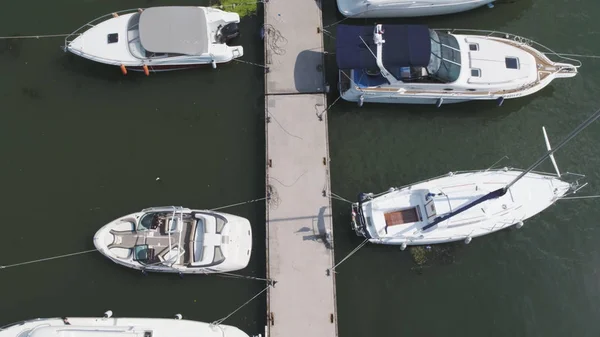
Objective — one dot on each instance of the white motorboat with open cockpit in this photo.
(415, 64)
(108, 326)
(405, 8)
(159, 38)
(462, 205)
(177, 240)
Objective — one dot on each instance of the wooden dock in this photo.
(299, 223)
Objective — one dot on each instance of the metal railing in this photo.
(543, 50)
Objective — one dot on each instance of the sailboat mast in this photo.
(573, 133)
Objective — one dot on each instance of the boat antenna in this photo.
(573, 133)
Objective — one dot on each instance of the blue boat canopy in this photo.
(405, 46)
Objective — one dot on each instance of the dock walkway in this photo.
(299, 222)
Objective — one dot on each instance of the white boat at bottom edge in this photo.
(159, 38)
(115, 327)
(405, 8)
(180, 240)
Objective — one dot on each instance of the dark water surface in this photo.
(541, 280)
(81, 145)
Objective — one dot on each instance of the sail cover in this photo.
(405, 46)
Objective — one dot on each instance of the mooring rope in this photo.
(217, 322)
(337, 197)
(582, 197)
(33, 36)
(575, 55)
(240, 203)
(232, 275)
(251, 63)
(332, 269)
(320, 115)
(47, 259)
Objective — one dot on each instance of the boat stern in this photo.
(224, 28)
(358, 220)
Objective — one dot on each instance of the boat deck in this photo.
(299, 222)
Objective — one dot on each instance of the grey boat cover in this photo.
(176, 30)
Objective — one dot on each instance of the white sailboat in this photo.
(412, 64)
(177, 240)
(405, 8)
(462, 205)
(108, 326)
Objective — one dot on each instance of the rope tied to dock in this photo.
(332, 269)
(252, 63)
(320, 114)
(232, 275)
(47, 259)
(337, 197)
(241, 203)
(218, 322)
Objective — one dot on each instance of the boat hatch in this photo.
(402, 217)
(430, 209)
(147, 333)
(113, 38)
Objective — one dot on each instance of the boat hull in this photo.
(516, 206)
(350, 8)
(91, 326)
(238, 251)
(126, 50)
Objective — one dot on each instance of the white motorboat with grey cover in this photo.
(108, 326)
(177, 240)
(159, 38)
(405, 8)
(412, 64)
(462, 205)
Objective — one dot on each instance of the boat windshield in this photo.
(444, 63)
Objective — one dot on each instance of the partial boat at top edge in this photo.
(405, 8)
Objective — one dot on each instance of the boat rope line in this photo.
(32, 36)
(320, 114)
(47, 259)
(581, 197)
(218, 322)
(332, 269)
(232, 275)
(575, 55)
(497, 162)
(252, 63)
(337, 197)
(241, 203)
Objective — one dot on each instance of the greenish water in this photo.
(541, 280)
(81, 145)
